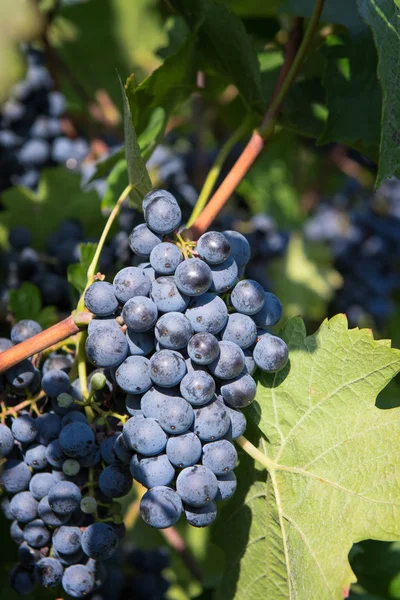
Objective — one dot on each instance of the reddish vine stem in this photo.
(43, 340)
(177, 543)
(294, 58)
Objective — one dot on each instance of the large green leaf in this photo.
(59, 197)
(384, 19)
(354, 97)
(153, 101)
(333, 461)
(225, 45)
(137, 173)
(109, 36)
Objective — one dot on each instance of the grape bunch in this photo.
(31, 129)
(182, 336)
(60, 474)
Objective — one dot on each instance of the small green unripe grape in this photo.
(64, 400)
(88, 505)
(100, 421)
(115, 508)
(71, 467)
(98, 381)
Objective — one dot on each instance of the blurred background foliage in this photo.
(162, 47)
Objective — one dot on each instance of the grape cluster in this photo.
(182, 336)
(60, 475)
(31, 129)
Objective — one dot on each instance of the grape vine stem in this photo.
(295, 55)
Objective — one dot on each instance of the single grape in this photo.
(229, 363)
(91, 459)
(22, 580)
(140, 313)
(250, 364)
(54, 455)
(241, 330)
(102, 322)
(271, 353)
(211, 422)
(36, 534)
(69, 559)
(24, 330)
(61, 362)
(240, 247)
(28, 556)
(175, 416)
(35, 457)
(73, 417)
(99, 541)
(224, 276)
(220, 457)
(48, 516)
(167, 368)
(240, 391)
(197, 485)
(106, 347)
(270, 313)
(25, 429)
(203, 348)
(78, 581)
(16, 476)
(64, 497)
(140, 343)
(226, 486)
(166, 295)
(55, 383)
(16, 533)
(162, 214)
(49, 427)
(133, 375)
(122, 450)
(142, 240)
(173, 330)
(115, 481)
(131, 282)
(201, 516)
(133, 404)
(198, 387)
(193, 277)
(160, 507)
(107, 449)
(153, 195)
(24, 507)
(6, 441)
(49, 572)
(21, 375)
(71, 467)
(213, 247)
(238, 424)
(144, 436)
(100, 299)
(184, 450)
(40, 485)
(165, 258)
(154, 398)
(207, 313)
(76, 440)
(152, 471)
(88, 505)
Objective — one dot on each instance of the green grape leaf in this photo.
(153, 101)
(105, 165)
(77, 273)
(226, 46)
(354, 97)
(59, 197)
(333, 476)
(137, 172)
(26, 303)
(125, 38)
(304, 279)
(254, 8)
(384, 20)
(116, 183)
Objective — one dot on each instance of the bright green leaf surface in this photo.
(334, 469)
(77, 273)
(384, 19)
(59, 197)
(225, 45)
